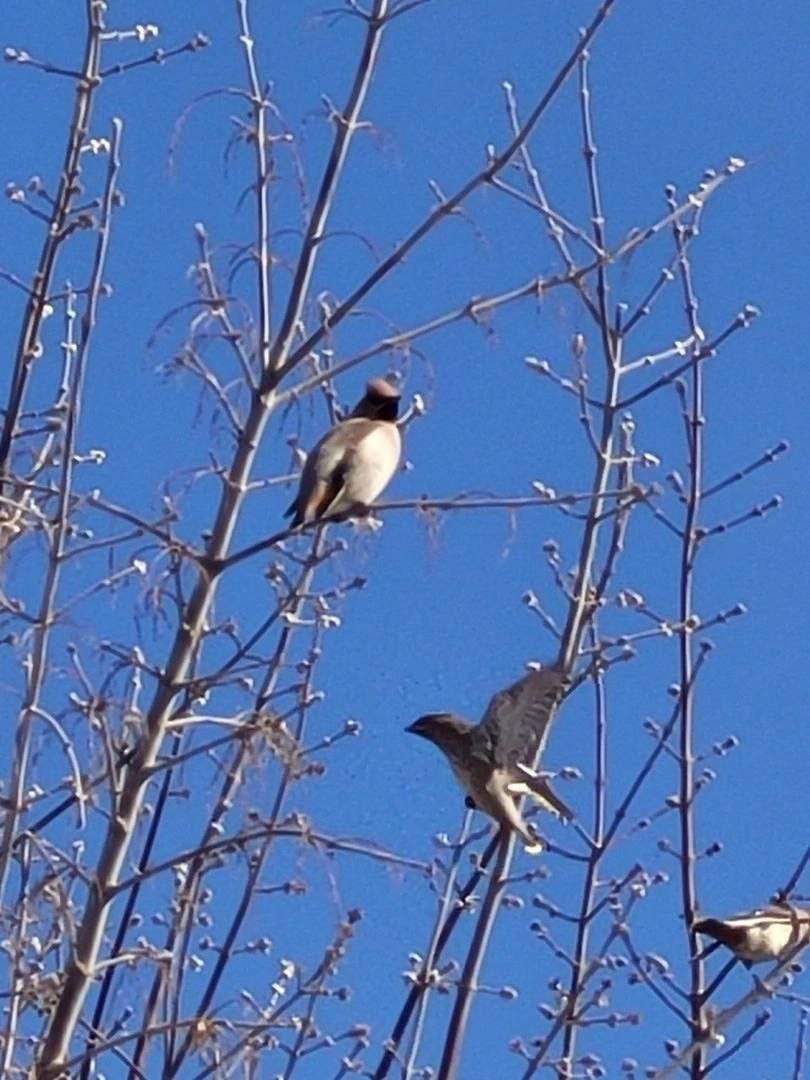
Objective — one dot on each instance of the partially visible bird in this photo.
(493, 760)
(758, 936)
(354, 462)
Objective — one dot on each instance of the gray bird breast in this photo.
(375, 461)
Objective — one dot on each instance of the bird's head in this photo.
(380, 401)
(447, 731)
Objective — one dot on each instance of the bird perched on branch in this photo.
(758, 936)
(354, 462)
(493, 760)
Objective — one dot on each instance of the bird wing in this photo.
(517, 718)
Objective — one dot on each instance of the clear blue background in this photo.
(677, 88)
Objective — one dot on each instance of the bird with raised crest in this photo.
(354, 462)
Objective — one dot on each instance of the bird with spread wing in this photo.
(493, 760)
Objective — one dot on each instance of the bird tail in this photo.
(719, 930)
(295, 512)
(537, 788)
(711, 927)
(722, 934)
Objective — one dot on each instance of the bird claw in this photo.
(363, 520)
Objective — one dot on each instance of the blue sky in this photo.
(677, 88)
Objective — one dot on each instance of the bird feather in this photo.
(517, 719)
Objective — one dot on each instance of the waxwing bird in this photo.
(758, 936)
(353, 463)
(493, 760)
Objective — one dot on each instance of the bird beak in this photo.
(411, 728)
